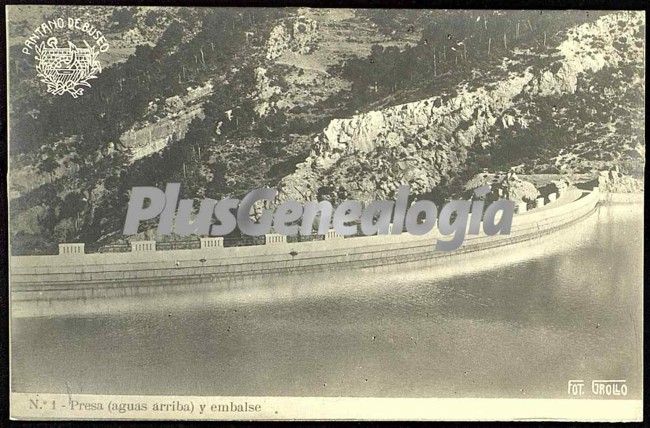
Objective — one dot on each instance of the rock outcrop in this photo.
(295, 36)
(177, 114)
(503, 185)
(615, 182)
(264, 92)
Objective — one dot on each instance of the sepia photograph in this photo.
(301, 213)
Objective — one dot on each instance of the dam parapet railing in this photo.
(214, 261)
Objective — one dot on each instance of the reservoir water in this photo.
(511, 324)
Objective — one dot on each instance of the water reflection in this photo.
(513, 326)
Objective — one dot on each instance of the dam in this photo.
(39, 281)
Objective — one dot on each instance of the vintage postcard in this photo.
(325, 214)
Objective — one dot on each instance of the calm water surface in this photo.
(520, 329)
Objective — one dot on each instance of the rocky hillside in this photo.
(428, 143)
(322, 104)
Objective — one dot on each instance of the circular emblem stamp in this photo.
(66, 54)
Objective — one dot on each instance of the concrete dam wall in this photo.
(75, 275)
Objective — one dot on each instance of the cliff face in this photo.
(426, 143)
(171, 119)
